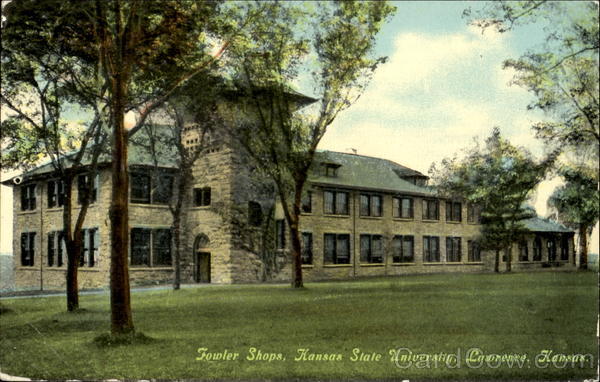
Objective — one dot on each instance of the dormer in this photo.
(330, 169)
(412, 176)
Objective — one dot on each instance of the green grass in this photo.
(522, 313)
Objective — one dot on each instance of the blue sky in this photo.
(442, 86)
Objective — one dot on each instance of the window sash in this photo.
(430, 209)
(307, 202)
(140, 188)
(365, 208)
(161, 247)
(28, 249)
(523, 251)
(164, 189)
(341, 203)
(431, 249)
(280, 233)
(453, 250)
(140, 246)
(307, 256)
(28, 199)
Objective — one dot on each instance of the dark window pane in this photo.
(329, 248)
(408, 249)
(51, 248)
(255, 215)
(407, 209)
(396, 207)
(164, 190)
(161, 247)
(140, 188)
(341, 203)
(365, 248)
(307, 248)
(328, 202)
(343, 249)
(377, 249)
(364, 205)
(376, 205)
(140, 246)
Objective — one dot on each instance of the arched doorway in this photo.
(201, 257)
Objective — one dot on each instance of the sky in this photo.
(442, 86)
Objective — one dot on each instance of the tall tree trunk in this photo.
(120, 299)
(583, 246)
(73, 255)
(497, 261)
(296, 255)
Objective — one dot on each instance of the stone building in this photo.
(362, 216)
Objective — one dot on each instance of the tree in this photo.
(498, 178)
(577, 205)
(41, 82)
(332, 45)
(562, 73)
(145, 50)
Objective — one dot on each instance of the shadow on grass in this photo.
(111, 340)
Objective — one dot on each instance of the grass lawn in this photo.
(519, 314)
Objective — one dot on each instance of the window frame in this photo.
(28, 197)
(373, 209)
(335, 203)
(523, 255)
(55, 191)
(401, 258)
(28, 249)
(82, 183)
(427, 210)
(453, 249)
(398, 207)
(146, 198)
(427, 253)
(537, 249)
(335, 258)
(280, 233)
(453, 211)
(202, 196)
(306, 203)
(473, 251)
(151, 247)
(307, 249)
(369, 255)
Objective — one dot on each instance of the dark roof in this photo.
(364, 172)
(538, 224)
(136, 154)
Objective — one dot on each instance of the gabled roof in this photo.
(538, 224)
(136, 154)
(368, 173)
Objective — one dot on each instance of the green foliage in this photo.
(577, 202)
(498, 177)
(562, 73)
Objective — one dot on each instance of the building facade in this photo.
(362, 216)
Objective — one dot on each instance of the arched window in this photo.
(201, 242)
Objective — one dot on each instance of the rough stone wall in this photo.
(43, 220)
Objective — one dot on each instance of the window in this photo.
(202, 197)
(335, 202)
(307, 255)
(56, 248)
(150, 247)
(27, 248)
(336, 249)
(370, 205)
(474, 251)
(89, 254)
(255, 215)
(403, 249)
(473, 214)
(161, 247)
(537, 249)
(163, 192)
(371, 249)
(56, 193)
(523, 251)
(280, 233)
(564, 248)
(431, 249)
(140, 188)
(330, 169)
(306, 206)
(453, 211)
(430, 209)
(28, 197)
(86, 188)
(453, 250)
(403, 207)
